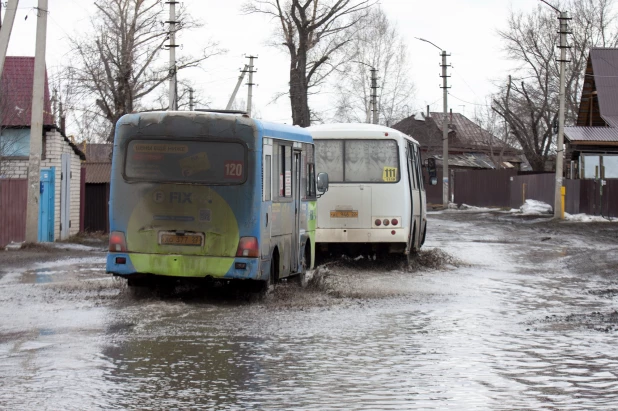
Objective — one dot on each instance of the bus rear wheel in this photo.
(305, 261)
(273, 276)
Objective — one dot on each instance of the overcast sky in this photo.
(465, 28)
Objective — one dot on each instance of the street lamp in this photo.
(563, 18)
(445, 170)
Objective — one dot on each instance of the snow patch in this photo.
(585, 218)
(535, 207)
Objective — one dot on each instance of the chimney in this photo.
(427, 110)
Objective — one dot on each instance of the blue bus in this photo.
(214, 195)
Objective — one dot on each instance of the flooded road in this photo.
(496, 314)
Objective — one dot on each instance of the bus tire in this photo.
(305, 262)
(424, 233)
(273, 276)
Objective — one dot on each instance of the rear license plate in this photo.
(344, 214)
(187, 239)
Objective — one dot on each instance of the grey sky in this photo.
(465, 28)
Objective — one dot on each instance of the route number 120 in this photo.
(233, 169)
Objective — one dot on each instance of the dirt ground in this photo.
(496, 312)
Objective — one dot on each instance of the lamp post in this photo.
(563, 18)
(445, 170)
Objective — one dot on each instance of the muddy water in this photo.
(513, 321)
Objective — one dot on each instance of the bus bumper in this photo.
(127, 264)
(361, 235)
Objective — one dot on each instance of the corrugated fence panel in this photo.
(96, 209)
(611, 197)
(538, 187)
(483, 188)
(587, 196)
(572, 198)
(13, 199)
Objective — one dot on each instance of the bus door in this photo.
(296, 187)
(414, 196)
(422, 194)
(267, 217)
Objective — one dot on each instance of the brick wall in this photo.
(54, 148)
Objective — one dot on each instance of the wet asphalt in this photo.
(496, 313)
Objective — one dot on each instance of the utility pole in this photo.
(563, 18)
(173, 96)
(238, 83)
(54, 101)
(36, 126)
(191, 99)
(445, 168)
(374, 95)
(250, 84)
(558, 212)
(5, 30)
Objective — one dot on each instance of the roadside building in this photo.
(470, 146)
(59, 214)
(592, 145)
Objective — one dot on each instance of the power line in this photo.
(468, 102)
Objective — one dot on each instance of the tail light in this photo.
(394, 221)
(386, 222)
(248, 247)
(378, 222)
(117, 242)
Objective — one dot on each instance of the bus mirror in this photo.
(431, 170)
(322, 183)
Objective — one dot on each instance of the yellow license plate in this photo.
(344, 214)
(187, 239)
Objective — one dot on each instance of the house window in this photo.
(15, 142)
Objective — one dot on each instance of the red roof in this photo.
(16, 93)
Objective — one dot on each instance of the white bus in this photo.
(376, 201)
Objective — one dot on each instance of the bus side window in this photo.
(267, 178)
(411, 167)
(283, 176)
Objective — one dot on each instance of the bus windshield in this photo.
(206, 162)
(369, 161)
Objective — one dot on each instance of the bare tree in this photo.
(316, 34)
(377, 45)
(119, 66)
(496, 134)
(529, 101)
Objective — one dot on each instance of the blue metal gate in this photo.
(46, 205)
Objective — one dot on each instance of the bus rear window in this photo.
(206, 162)
(363, 161)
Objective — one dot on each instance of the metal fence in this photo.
(482, 188)
(504, 188)
(96, 208)
(539, 187)
(13, 199)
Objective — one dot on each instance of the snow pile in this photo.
(535, 207)
(585, 218)
(466, 207)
